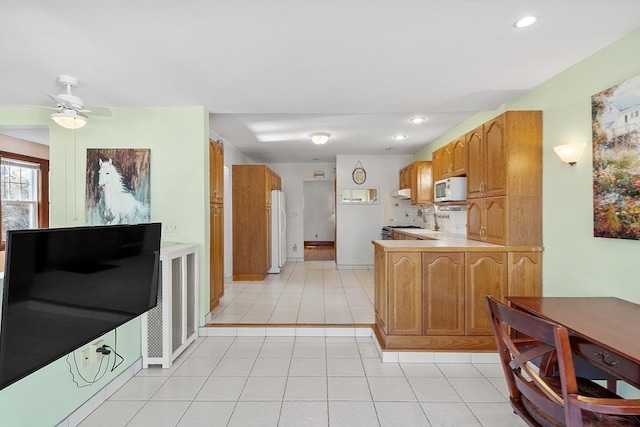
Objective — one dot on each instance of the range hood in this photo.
(404, 193)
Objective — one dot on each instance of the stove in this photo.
(386, 232)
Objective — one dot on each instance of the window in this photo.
(24, 184)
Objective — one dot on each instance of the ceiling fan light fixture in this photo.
(69, 119)
(319, 138)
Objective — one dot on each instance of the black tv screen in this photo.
(64, 287)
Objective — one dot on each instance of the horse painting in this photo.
(117, 194)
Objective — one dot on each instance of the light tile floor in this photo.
(308, 292)
(305, 381)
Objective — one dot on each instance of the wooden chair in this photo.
(537, 395)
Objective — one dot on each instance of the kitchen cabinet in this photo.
(418, 177)
(216, 223)
(405, 298)
(504, 170)
(421, 183)
(443, 293)
(431, 297)
(405, 177)
(216, 172)
(486, 220)
(450, 160)
(252, 221)
(486, 275)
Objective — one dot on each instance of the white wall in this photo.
(358, 225)
(293, 177)
(319, 214)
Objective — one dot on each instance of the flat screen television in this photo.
(64, 287)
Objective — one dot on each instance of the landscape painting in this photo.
(117, 186)
(616, 161)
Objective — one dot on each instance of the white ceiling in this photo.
(271, 72)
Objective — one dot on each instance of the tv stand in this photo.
(172, 325)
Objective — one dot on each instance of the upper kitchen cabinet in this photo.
(504, 179)
(216, 167)
(404, 176)
(450, 160)
(504, 155)
(417, 176)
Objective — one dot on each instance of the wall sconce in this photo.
(319, 138)
(570, 153)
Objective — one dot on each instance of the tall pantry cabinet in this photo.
(216, 218)
(252, 185)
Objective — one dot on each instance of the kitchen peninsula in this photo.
(430, 286)
(429, 293)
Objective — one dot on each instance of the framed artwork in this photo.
(118, 188)
(615, 114)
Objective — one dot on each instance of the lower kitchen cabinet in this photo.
(486, 275)
(430, 299)
(405, 298)
(443, 293)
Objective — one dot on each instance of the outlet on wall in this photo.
(94, 356)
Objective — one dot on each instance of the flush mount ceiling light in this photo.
(319, 138)
(69, 119)
(399, 137)
(525, 22)
(417, 119)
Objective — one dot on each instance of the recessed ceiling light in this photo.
(399, 137)
(525, 22)
(417, 119)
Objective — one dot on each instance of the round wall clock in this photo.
(359, 175)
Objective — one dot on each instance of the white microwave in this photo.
(450, 189)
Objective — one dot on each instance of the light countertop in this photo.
(437, 241)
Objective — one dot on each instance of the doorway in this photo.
(319, 221)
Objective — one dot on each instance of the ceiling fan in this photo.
(70, 110)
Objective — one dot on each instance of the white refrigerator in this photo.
(278, 231)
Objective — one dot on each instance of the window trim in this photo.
(43, 188)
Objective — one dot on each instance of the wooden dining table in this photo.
(604, 331)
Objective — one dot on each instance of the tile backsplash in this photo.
(401, 212)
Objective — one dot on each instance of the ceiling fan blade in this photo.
(61, 102)
(97, 111)
(42, 106)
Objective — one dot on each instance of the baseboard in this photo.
(315, 243)
(101, 396)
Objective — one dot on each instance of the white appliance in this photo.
(450, 189)
(404, 193)
(278, 231)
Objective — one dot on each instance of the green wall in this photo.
(575, 262)
(178, 139)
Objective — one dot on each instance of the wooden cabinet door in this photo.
(475, 219)
(495, 220)
(525, 274)
(443, 293)
(436, 164)
(421, 183)
(216, 174)
(475, 163)
(404, 279)
(405, 177)
(458, 157)
(496, 157)
(216, 256)
(486, 274)
(446, 161)
(380, 287)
